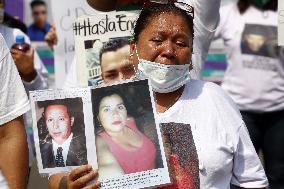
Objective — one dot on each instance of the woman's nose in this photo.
(120, 76)
(115, 112)
(169, 50)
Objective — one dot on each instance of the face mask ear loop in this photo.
(136, 70)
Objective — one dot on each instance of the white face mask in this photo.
(164, 78)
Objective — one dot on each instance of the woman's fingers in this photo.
(82, 181)
(93, 186)
(80, 171)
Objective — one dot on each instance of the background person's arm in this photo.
(206, 19)
(14, 153)
(103, 5)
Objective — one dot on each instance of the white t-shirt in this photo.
(40, 82)
(206, 19)
(255, 73)
(13, 101)
(225, 152)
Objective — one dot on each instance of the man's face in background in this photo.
(116, 66)
(39, 13)
(58, 122)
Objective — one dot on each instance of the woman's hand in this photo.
(76, 179)
(79, 178)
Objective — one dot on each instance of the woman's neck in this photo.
(118, 134)
(165, 100)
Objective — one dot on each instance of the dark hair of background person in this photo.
(74, 109)
(243, 5)
(113, 45)
(12, 22)
(148, 13)
(101, 93)
(37, 3)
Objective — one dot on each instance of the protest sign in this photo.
(113, 128)
(66, 12)
(98, 35)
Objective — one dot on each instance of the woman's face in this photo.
(166, 40)
(112, 114)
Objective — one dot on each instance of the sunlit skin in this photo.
(39, 14)
(166, 40)
(113, 118)
(255, 42)
(112, 114)
(58, 123)
(116, 65)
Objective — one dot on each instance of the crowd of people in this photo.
(229, 125)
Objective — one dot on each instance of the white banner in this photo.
(65, 13)
(281, 22)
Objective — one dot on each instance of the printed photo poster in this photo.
(260, 48)
(280, 22)
(63, 127)
(102, 43)
(129, 144)
(182, 156)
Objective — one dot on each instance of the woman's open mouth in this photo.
(116, 122)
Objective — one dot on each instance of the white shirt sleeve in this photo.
(14, 101)
(247, 170)
(224, 27)
(71, 78)
(206, 19)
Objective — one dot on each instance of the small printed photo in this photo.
(61, 132)
(61, 123)
(260, 40)
(108, 61)
(126, 134)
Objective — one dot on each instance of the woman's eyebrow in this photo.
(105, 106)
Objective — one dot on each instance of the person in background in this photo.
(41, 30)
(255, 77)
(31, 69)
(13, 143)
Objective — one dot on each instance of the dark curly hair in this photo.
(243, 5)
(148, 13)
(113, 45)
(101, 93)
